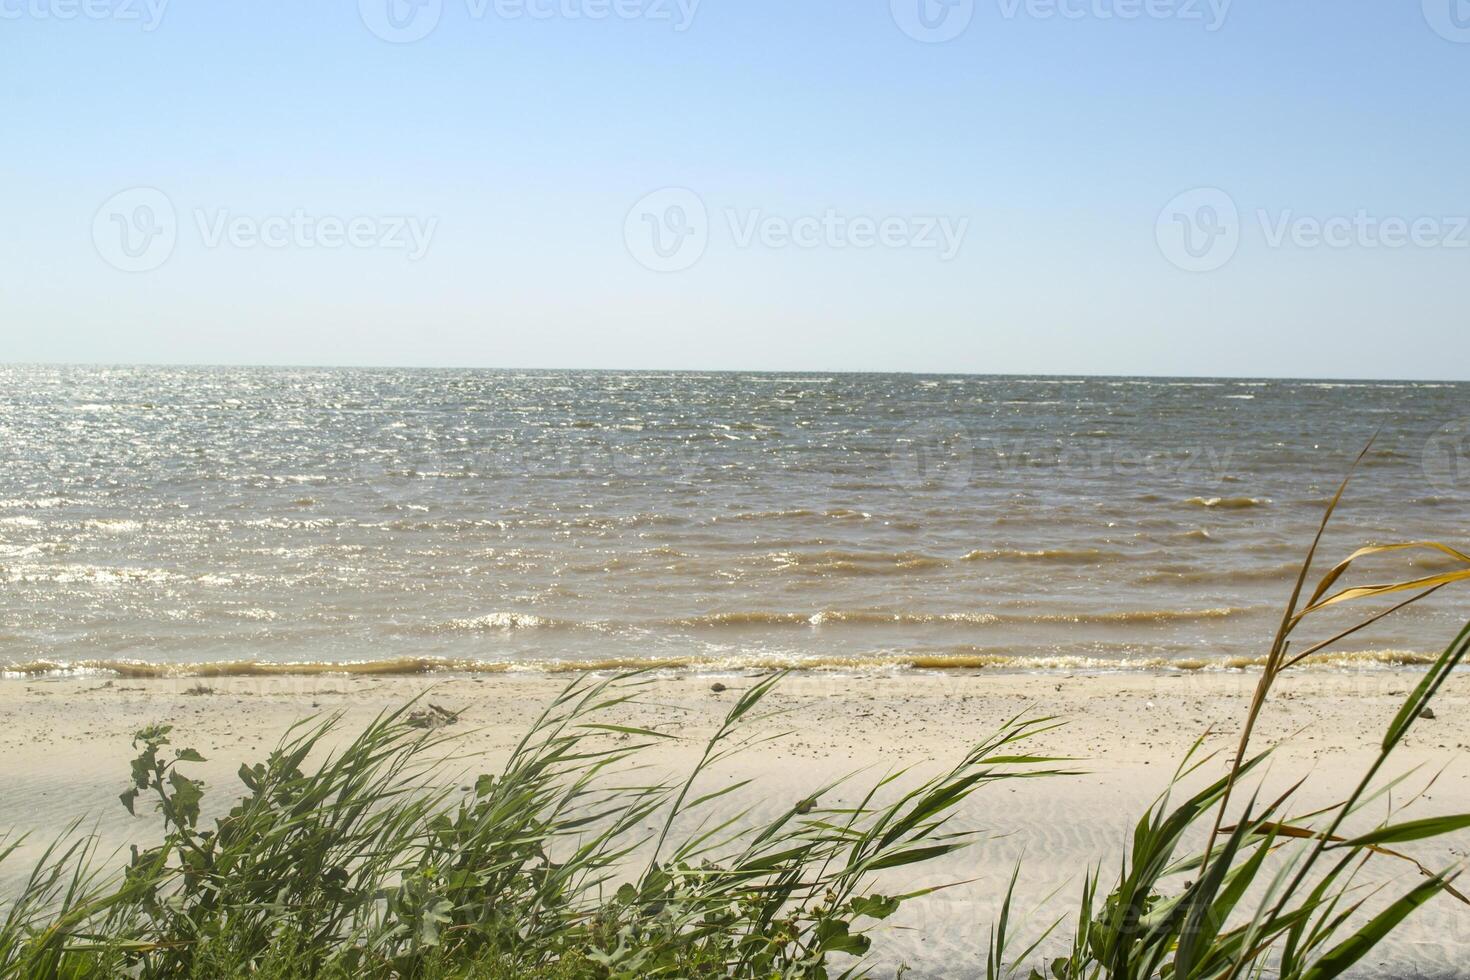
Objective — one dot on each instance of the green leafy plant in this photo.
(361, 867)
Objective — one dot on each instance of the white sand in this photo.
(64, 748)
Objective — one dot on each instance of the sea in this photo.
(210, 521)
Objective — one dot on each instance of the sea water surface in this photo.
(196, 520)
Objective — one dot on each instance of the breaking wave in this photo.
(1228, 503)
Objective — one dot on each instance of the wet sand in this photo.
(64, 750)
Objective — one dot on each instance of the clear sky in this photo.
(1185, 187)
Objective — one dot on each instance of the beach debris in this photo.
(1427, 714)
(199, 690)
(433, 717)
(718, 688)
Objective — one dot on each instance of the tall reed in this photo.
(1173, 915)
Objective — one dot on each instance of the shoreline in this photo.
(915, 664)
(65, 747)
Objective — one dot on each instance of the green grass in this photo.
(361, 867)
(572, 861)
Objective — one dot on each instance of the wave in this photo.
(1228, 503)
(112, 525)
(799, 513)
(86, 575)
(499, 621)
(756, 618)
(1085, 556)
(35, 503)
(770, 515)
(855, 562)
(983, 619)
(832, 617)
(108, 576)
(744, 619)
(938, 660)
(1146, 616)
(1191, 574)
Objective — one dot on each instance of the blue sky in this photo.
(1064, 186)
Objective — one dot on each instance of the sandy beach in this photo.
(64, 749)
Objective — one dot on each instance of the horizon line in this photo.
(207, 365)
